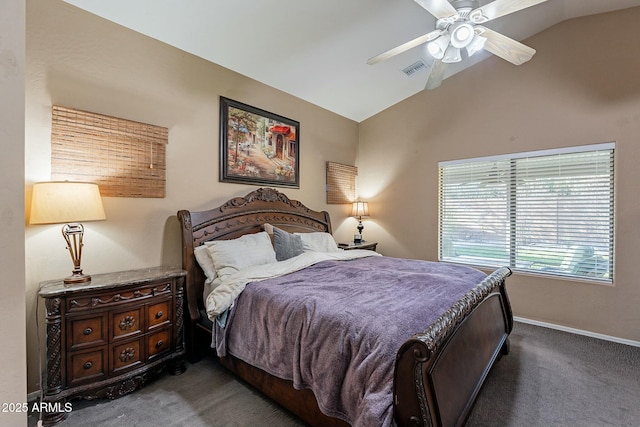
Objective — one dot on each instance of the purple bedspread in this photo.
(335, 327)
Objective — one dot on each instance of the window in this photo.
(547, 212)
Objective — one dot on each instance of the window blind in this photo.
(545, 212)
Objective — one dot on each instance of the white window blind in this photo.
(547, 212)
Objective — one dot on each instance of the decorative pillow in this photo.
(287, 245)
(318, 242)
(269, 229)
(231, 256)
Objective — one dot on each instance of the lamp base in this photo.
(77, 278)
(73, 234)
(357, 238)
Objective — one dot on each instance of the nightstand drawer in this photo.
(158, 343)
(88, 366)
(158, 315)
(127, 355)
(88, 331)
(126, 324)
(108, 299)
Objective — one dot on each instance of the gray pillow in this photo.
(286, 245)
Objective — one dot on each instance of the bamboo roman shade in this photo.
(125, 158)
(341, 183)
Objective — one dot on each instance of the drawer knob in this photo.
(127, 322)
(87, 331)
(87, 365)
(159, 343)
(159, 314)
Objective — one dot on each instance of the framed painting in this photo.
(258, 147)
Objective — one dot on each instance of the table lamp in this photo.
(68, 203)
(358, 210)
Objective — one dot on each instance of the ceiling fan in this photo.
(458, 30)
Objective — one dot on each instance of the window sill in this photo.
(585, 280)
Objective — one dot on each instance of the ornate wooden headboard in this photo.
(236, 217)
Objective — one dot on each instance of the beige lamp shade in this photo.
(360, 209)
(58, 202)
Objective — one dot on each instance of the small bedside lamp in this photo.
(68, 202)
(359, 209)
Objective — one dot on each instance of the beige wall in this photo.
(12, 301)
(582, 87)
(78, 60)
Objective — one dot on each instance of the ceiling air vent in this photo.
(414, 68)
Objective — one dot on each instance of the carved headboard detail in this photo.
(234, 218)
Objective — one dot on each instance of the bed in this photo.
(436, 372)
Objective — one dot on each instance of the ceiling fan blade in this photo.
(441, 9)
(499, 8)
(436, 74)
(505, 47)
(404, 47)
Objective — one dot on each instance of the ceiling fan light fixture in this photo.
(438, 47)
(476, 44)
(452, 55)
(461, 35)
(434, 50)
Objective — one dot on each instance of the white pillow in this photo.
(318, 242)
(231, 256)
(205, 262)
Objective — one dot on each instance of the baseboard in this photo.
(577, 331)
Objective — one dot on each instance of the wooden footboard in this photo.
(439, 372)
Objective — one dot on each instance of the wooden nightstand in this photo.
(371, 246)
(108, 337)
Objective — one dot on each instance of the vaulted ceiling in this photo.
(317, 50)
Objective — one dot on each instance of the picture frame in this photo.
(258, 147)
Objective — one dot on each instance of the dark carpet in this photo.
(550, 378)
(554, 378)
